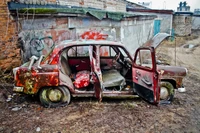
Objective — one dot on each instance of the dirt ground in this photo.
(25, 114)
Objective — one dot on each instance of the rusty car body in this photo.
(97, 68)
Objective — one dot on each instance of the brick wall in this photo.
(9, 53)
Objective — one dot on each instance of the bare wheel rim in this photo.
(164, 93)
(54, 95)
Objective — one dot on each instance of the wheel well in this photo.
(173, 82)
(52, 86)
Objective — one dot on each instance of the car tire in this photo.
(166, 92)
(55, 96)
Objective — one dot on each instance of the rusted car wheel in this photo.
(54, 96)
(166, 92)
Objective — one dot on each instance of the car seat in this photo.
(80, 79)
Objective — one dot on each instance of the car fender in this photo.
(66, 81)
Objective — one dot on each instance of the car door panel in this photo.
(145, 76)
(80, 63)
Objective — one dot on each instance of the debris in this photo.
(164, 102)
(16, 108)
(182, 89)
(134, 104)
(2, 98)
(9, 98)
(1, 129)
(190, 46)
(38, 129)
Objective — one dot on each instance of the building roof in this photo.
(151, 11)
(133, 5)
(183, 13)
(60, 10)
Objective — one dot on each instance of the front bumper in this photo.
(18, 89)
(182, 89)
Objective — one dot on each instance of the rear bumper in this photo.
(18, 89)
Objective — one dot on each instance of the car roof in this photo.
(69, 43)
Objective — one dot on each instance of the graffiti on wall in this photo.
(39, 35)
(30, 45)
(112, 33)
(41, 42)
(94, 35)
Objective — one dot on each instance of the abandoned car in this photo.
(97, 68)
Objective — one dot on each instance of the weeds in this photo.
(6, 77)
(129, 105)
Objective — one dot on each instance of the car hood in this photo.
(156, 40)
(172, 70)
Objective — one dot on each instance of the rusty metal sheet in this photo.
(175, 73)
(156, 40)
(34, 79)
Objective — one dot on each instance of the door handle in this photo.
(146, 82)
(138, 73)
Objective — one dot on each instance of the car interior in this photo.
(115, 65)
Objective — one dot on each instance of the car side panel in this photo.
(34, 79)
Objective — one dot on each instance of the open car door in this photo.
(96, 71)
(145, 75)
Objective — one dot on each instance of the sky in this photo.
(170, 4)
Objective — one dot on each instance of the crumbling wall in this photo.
(9, 53)
(133, 32)
(33, 31)
(38, 35)
(182, 24)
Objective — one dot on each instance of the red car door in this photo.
(145, 75)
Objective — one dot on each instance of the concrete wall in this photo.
(165, 17)
(182, 24)
(132, 32)
(9, 53)
(59, 29)
(56, 28)
(105, 26)
(196, 22)
(19, 34)
(166, 22)
(136, 32)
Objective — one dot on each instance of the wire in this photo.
(175, 50)
(33, 16)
